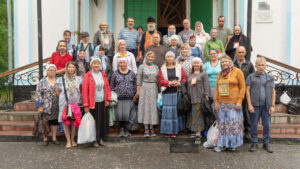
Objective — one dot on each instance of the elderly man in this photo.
(159, 50)
(147, 38)
(260, 93)
(186, 32)
(131, 36)
(247, 68)
(224, 33)
(106, 39)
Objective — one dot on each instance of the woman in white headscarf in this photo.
(47, 101)
(201, 36)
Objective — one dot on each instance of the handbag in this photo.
(41, 127)
(159, 101)
(69, 111)
(184, 105)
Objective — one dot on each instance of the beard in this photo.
(150, 28)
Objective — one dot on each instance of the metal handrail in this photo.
(280, 64)
(22, 68)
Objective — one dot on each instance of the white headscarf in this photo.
(47, 68)
(93, 59)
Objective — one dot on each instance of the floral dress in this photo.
(46, 97)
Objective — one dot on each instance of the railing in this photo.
(16, 85)
(286, 77)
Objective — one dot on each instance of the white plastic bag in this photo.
(285, 98)
(87, 129)
(212, 136)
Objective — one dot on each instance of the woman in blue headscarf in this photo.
(167, 38)
(105, 64)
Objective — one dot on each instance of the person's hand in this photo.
(106, 103)
(136, 96)
(271, 110)
(217, 107)
(137, 59)
(86, 109)
(207, 98)
(40, 110)
(251, 109)
(238, 106)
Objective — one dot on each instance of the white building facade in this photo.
(274, 25)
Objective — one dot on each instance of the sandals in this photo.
(68, 146)
(74, 144)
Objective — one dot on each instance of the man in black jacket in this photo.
(247, 68)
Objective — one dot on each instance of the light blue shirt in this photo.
(99, 97)
(212, 72)
(131, 38)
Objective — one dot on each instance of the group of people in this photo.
(146, 64)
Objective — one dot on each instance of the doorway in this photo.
(170, 12)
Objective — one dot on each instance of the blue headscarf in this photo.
(103, 58)
(169, 34)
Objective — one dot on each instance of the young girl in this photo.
(198, 87)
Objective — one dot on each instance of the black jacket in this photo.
(247, 67)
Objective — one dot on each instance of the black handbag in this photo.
(69, 112)
(184, 105)
(41, 127)
(294, 106)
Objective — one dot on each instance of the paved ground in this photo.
(156, 155)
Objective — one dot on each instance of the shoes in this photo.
(167, 135)
(101, 142)
(173, 135)
(231, 149)
(152, 133)
(147, 134)
(56, 142)
(122, 134)
(127, 133)
(219, 149)
(267, 148)
(45, 143)
(253, 147)
(95, 144)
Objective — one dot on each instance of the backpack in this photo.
(92, 47)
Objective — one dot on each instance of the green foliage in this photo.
(3, 37)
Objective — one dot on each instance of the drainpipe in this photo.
(40, 37)
(249, 21)
(234, 12)
(78, 21)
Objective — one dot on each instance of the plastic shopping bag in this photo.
(285, 98)
(212, 136)
(87, 129)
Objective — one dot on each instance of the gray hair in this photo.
(260, 59)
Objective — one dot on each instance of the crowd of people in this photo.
(213, 69)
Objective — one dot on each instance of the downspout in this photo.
(78, 21)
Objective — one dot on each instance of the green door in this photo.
(202, 11)
(140, 10)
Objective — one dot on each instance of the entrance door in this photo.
(202, 11)
(140, 10)
(170, 12)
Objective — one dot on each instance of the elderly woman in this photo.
(198, 88)
(212, 68)
(201, 36)
(105, 63)
(195, 50)
(174, 47)
(229, 94)
(123, 53)
(185, 60)
(167, 38)
(105, 38)
(96, 96)
(147, 92)
(123, 82)
(213, 43)
(69, 85)
(169, 78)
(47, 101)
(238, 39)
(81, 63)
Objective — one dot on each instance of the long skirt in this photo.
(196, 123)
(169, 119)
(102, 120)
(181, 118)
(123, 110)
(230, 126)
